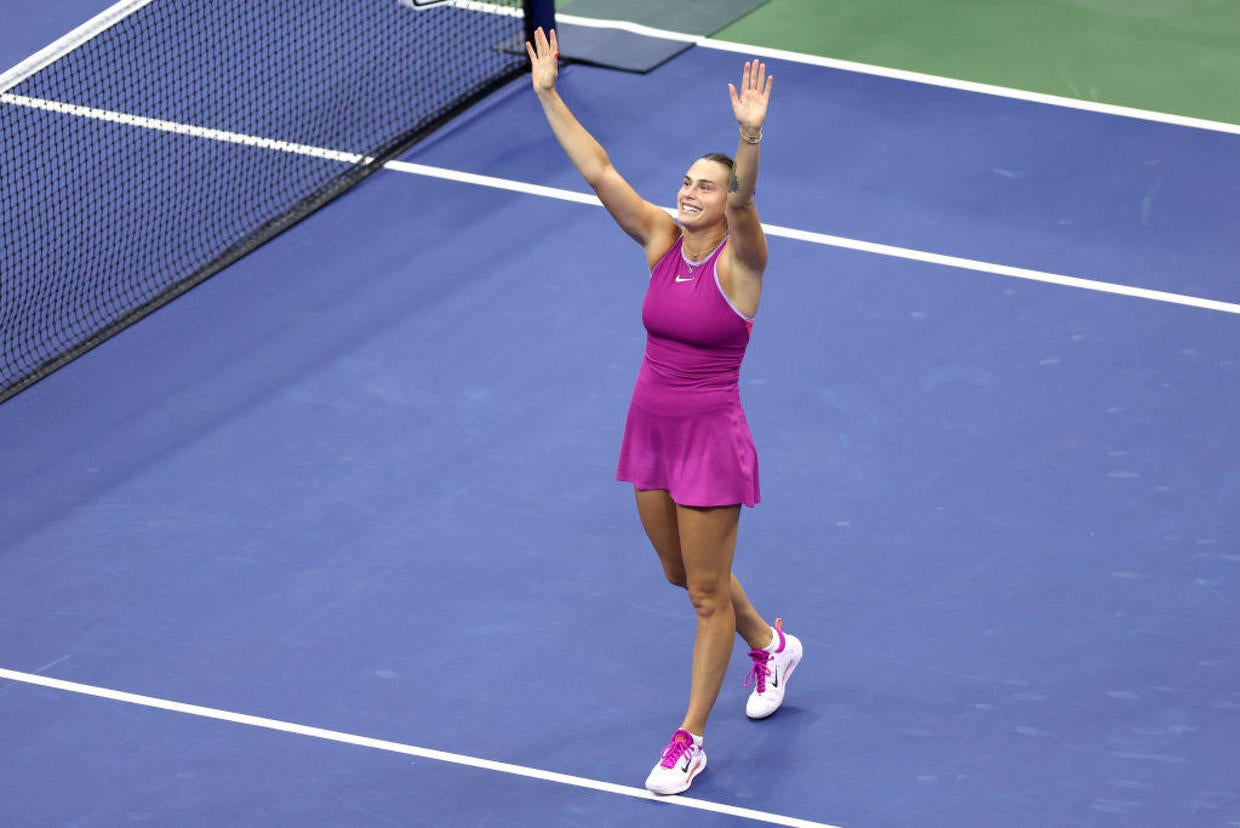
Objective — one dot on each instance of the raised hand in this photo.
(544, 60)
(749, 103)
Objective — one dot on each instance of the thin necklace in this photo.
(692, 261)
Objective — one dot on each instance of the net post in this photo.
(538, 13)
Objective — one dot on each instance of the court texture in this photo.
(334, 538)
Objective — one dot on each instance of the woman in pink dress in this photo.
(687, 449)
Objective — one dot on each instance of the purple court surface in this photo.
(360, 486)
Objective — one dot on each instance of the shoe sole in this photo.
(693, 774)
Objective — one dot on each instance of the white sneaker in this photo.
(681, 761)
(770, 674)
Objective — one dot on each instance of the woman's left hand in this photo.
(750, 102)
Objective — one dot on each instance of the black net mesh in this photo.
(172, 142)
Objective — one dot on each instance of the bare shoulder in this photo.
(664, 234)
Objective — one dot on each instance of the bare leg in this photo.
(749, 624)
(707, 543)
(659, 518)
(658, 515)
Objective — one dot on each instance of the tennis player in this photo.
(687, 449)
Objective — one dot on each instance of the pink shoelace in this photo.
(758, 673)
(681, 742)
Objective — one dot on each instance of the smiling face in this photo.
(700, 202)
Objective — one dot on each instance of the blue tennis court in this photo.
(334, 538)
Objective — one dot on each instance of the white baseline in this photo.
(398, 747)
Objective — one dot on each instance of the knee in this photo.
(709, 599)
(676, 577)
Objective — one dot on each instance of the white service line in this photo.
(1002, 270)
(398, 747)
(493, 182)
(847, 243)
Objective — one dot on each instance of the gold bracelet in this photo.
(748, 140)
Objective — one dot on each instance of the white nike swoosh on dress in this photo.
(685, 279)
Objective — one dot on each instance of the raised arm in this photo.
(747, 246)
(647, 224)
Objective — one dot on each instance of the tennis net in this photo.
(167, 138)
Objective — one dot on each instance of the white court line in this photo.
(407, 750)
(850, 244)
(182, 129)
(126, 7)
(584, 198)
(872, 69)
(64, 45)
(1003, 270)
(902, 74)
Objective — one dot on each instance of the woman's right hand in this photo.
(544, 60)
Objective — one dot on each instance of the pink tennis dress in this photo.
(686, 431)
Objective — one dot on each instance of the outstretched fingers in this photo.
(542, 47)
(544, 53)
(749, 102)
(755, 78)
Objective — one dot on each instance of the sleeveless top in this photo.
(686, 431)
